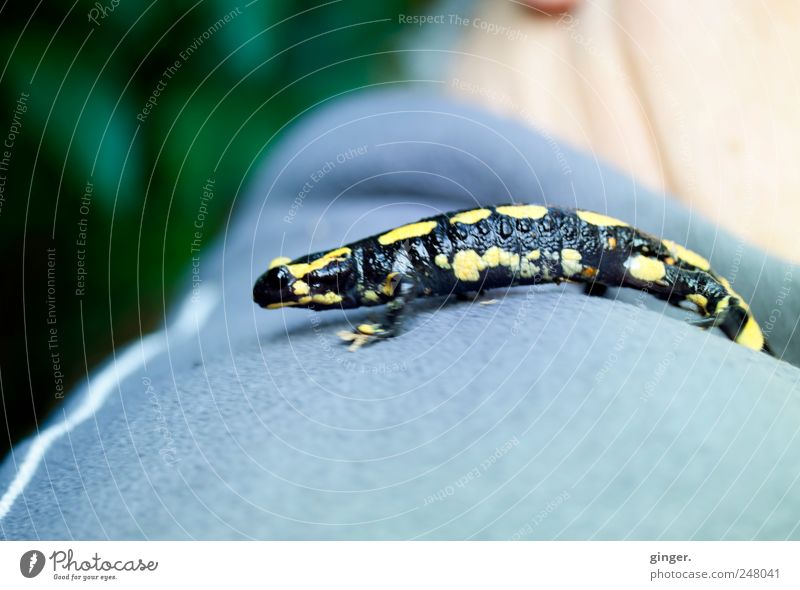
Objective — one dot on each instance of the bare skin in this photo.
(698, 98)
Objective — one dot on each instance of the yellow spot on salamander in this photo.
(302, 269)
(328, 298)
(282, 304)
(722, 304)
(523, 211)
(300, 288)
(467, 265)
(571, 261)
(280, 261)
(368, 329)
(600, 219)
(495, 256)
(342, 252)
(404, 232)
(611, 242)
(372, 296)
(526, 269)
(441, 261)
(473, 216)
(700, 301)
(751, 335)
(535, 255)
(645, 269)
(686, 255)
(389, 284)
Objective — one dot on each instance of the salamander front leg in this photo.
(405, 289)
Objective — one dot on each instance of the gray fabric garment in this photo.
(549, 415)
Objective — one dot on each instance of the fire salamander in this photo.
(478, 249)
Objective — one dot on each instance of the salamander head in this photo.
(320, 281)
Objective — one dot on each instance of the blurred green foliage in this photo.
(81, 83)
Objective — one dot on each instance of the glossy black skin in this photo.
(417, 274)
(371, 262)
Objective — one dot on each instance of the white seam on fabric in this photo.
(193, 314)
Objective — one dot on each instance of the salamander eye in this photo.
(278, 279)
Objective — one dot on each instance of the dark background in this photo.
(70, 93)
